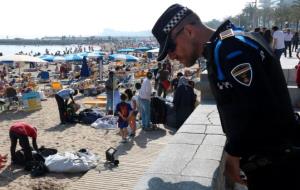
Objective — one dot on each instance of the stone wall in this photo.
(193, 158)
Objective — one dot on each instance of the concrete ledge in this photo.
(193, 157)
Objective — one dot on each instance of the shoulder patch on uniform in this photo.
(226, 34)
(242, 73)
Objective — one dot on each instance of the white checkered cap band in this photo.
(175, 20)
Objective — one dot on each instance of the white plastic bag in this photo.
(66, 163)
(89, 157)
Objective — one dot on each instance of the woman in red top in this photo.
(21, 131)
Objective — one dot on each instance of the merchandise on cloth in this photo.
(88, 116)
(106, 122)
(69, 162)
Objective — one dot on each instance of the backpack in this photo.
(89, 116)
(38, 168)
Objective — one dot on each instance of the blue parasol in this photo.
(123, 57)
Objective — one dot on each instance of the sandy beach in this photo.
(71, 137)
(51, 134)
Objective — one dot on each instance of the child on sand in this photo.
(132, 100)
(124, 111)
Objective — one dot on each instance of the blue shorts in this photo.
(122, 125)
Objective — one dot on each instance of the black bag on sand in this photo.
(89, 116)
(45, 152)
(36, 168)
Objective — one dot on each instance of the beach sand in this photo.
(51, 135)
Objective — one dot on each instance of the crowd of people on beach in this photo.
(133, 104)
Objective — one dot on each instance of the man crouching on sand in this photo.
(21, 131)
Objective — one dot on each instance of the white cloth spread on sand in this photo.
(106, 122)
(68, 162)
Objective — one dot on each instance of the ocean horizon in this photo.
(34, 49)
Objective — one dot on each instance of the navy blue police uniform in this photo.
(253, 102)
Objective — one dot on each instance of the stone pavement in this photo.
(289, 63)
(193, 158)
(135, 157)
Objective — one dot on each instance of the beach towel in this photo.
(106, 122)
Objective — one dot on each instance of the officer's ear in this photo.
(189, 29)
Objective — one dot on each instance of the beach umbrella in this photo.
(143, 49)
(155, 50)
(52, 58)
(48, 58)
(73, 57)
(125, 50)
(82, 53)
(21, 58)
(91, 54)
(123, 57)
(100, 52)
(85, 71)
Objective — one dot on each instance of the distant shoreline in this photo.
(69, 41)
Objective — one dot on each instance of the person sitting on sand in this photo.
(21, 131)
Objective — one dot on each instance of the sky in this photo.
(39, 18)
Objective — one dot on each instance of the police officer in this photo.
(250, 91)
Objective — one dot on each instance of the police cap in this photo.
(164, 26)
